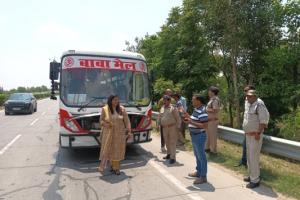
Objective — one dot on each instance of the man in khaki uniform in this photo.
(170, 122)
(160, 104)
(181, 110)
(212, 109)
(256, 119)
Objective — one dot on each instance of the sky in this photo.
(33, 32)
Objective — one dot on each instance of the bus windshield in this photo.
(79, 86)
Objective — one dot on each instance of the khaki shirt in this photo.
(214, 103)
(168, 116)
(247, 104)
(255, 114)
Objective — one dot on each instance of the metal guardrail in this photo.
(277, 146)
(273, 145)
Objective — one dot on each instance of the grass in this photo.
(282, 175)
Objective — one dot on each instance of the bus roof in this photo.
(126, 54)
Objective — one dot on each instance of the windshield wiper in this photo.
(134, 105)
(91, 101)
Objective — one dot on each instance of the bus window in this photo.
(139, 86)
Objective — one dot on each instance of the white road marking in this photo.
(43, 113)
(9, 144)
(175, 181)
(34, 121)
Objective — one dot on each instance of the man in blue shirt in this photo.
(183, 101)
(197, 123)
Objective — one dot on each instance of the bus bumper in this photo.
(93, 140)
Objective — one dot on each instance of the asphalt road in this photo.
(32, 166)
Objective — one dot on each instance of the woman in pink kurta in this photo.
(115, 124)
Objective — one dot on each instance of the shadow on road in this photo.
(265, 191)
(20, 114)
(87, 160)
(207, 187)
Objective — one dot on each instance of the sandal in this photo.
(101, 169)
(111, 169)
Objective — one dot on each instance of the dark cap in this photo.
(214, 90)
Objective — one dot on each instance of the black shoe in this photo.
(247, 179)
(172, 161)
(167, 157)
(252, 185)
(207, 150)
(117, 172)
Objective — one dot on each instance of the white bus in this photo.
(86, 80)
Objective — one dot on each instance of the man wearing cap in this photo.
(170, 123)
(256, 119)
(160, 104)
(243, 160)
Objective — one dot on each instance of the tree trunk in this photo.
(251, 77)
(295, 81)
(235, 89)
(229, 99)
(230, 114)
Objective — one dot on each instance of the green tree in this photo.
(21, 89)
(230, 44)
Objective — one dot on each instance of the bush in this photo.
(161, 85)
(289, 126)
(41, 95)
(3, 98)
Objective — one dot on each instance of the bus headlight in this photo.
(146, 122)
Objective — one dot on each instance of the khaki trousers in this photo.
(181, 134)
(170, 136)
(253, 154)
(115, 164)
(212, 136)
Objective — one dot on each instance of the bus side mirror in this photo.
(56, 85)
(54, 70)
